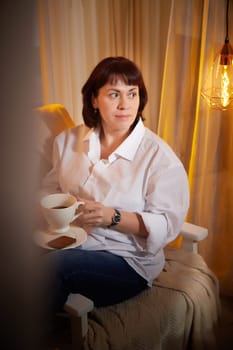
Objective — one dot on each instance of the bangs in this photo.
(128, 79)
(111, 70)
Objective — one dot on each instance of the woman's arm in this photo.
(95, 214)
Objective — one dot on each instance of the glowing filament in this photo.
(225, 82)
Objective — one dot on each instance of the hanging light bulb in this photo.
(218, 88)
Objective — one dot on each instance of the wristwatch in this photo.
(116, 218)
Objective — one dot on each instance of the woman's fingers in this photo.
(94, 214)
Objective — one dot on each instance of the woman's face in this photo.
(118, 105)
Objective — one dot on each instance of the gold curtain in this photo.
(173, 42)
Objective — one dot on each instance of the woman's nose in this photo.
(123, 103)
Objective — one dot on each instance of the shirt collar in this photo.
(127, 148)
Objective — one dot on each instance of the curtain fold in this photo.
(173, 42)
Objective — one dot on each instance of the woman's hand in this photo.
(94, 214)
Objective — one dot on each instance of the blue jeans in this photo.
(99, 275)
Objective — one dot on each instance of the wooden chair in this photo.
(180, 311)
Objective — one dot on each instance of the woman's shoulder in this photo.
(151, 138)
(159, 145)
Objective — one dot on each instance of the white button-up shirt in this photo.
(143, 175)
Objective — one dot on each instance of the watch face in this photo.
(116, 217)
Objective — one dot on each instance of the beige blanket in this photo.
(180, 311)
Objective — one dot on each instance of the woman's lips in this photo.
(123, 116)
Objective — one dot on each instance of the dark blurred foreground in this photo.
(21, 300)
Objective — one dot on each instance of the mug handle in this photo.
(77, 204)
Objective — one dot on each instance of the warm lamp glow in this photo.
(218, 88)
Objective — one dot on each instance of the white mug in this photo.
(59, 210)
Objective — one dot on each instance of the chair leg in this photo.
(79, 327)
(78, 307)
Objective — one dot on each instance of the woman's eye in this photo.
(114, 94)
(132, 94)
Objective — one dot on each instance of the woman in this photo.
(134, 187)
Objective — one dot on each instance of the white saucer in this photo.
(43, 237)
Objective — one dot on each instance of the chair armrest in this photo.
(78, 307)
(192, 234)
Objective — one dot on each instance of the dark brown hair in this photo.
(111, 69)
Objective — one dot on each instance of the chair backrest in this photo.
(51, 120)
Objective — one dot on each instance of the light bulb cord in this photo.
(227, 20)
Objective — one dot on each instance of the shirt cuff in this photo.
(157, 227)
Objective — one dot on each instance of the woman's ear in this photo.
(94, 102)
